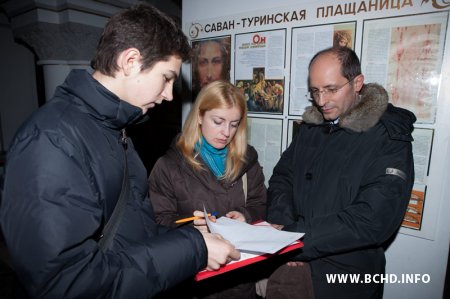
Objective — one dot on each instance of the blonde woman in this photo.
(205, 167)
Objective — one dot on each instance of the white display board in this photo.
(403, 45)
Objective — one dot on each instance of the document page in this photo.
(252, 238)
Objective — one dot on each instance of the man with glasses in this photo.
(345, 180)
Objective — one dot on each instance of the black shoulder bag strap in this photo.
(110, 229)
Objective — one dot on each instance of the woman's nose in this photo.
(209, 71)
(226, 131)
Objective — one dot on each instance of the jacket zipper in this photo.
(124, 139)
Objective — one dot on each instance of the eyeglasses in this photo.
(315, 93)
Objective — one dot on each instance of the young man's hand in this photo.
(220, 251)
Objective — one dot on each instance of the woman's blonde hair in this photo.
(216, 95)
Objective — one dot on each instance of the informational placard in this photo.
(265, 135)
(404, 54)
(418, 206)
(415, 210)
(306, 41)
(259, 69)
(423, 140)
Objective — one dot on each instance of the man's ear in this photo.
(358, 82)
(129, 61)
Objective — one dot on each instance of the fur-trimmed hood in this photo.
(374, 102)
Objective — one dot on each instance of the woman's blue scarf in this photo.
(214, 158)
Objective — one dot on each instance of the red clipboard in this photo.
(242, 263)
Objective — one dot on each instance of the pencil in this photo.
(194, 218)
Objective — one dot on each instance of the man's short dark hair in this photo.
(350, 65)
(156, 35)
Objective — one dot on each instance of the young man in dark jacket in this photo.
(65, 170)
(346, 179)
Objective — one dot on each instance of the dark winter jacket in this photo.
(63, 178)
(176, 189)
(347, 187)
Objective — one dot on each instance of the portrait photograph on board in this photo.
(210, 62)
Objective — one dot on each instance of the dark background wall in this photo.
(35, 34)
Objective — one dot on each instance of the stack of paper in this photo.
(256, 242)
(261, 238)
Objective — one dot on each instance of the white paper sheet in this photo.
(253, 238)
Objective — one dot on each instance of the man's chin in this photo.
(330, 116)
(147, 107)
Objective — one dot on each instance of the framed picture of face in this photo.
(210, 62)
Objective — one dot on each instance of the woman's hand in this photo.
(295, 264)
(200, 224)
(236, 216)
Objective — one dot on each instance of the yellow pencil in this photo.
(193, 218)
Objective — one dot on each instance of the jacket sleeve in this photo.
(255, 206)
(49, 217)
(161, 193)
(373, 216)
(280, 208)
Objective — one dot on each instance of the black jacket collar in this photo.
(99, 101)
